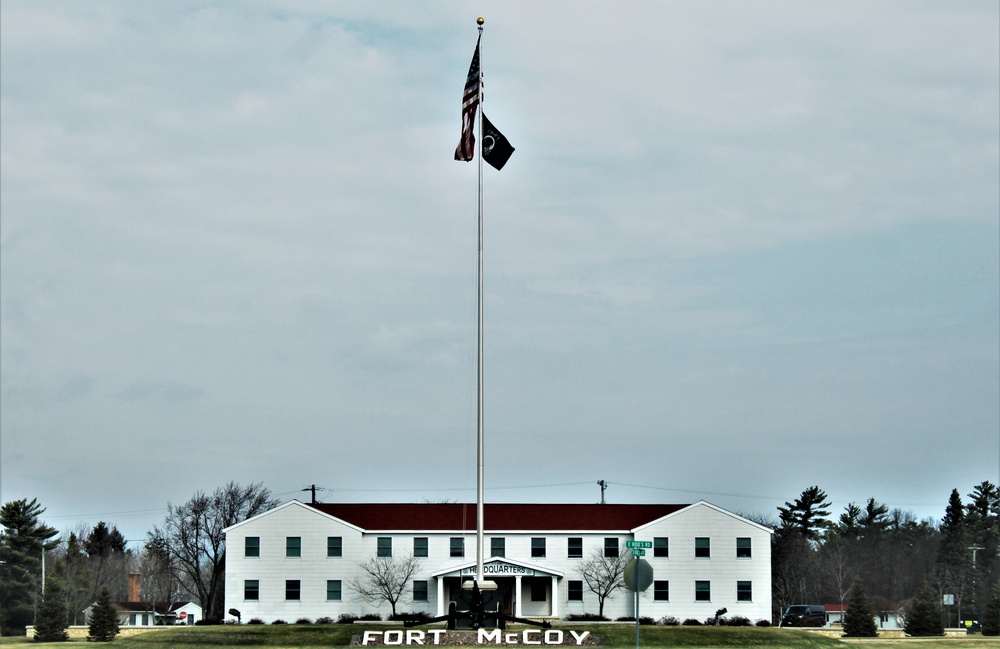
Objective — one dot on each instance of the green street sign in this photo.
(638, 544)
(636, 552)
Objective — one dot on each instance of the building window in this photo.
(457, 546)
(744, 591)
(292, 589)
(743, 548)
(661, 546)
(293, 546)
(420, 546)
(334, 590)
(251, 546)
(251, 589)
(703, 591)
(575, 591)
(661, 591)
(703, 547)
(538, 590)
(574, 547)
(384, 546)
(537, 547)
(498, 546)
(610, 546)
(334, 546)
(419, 591)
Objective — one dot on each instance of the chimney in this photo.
(133, 587)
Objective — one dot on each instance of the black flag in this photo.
(496, 148)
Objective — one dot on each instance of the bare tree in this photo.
(385, 579)
(605, 575)
(193, 534)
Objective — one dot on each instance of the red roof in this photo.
(462, 516)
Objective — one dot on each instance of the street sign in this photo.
(638, 575)
(636, 552)
(638, 544)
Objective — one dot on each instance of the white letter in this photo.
(365, 638)
(414, 637)
(580, 637)
(556, 638)
(393, 637)
(526, 640)
(510, 638)
(485, 636)
(437, 635)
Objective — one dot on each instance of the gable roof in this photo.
(497, 517)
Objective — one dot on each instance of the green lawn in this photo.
(616, 636)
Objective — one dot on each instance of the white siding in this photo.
(272, 568)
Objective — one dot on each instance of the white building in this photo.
(298, 560)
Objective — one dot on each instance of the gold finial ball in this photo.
(480, 20)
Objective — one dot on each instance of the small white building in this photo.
(298, 560)
(139, 612)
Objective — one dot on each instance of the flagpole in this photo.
(479, 335)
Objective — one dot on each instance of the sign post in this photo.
(638, 576)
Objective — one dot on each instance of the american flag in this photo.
(470, 102)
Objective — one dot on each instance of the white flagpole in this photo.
(479, 329)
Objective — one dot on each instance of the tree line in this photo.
(817, 555)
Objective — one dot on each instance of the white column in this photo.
(440, 593)
(517, 596)
(554, 609)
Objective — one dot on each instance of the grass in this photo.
(616, 636)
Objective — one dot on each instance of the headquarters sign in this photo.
(500, 569)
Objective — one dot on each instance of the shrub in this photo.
(324, 620)
(642, 619)
(370, 617)
(208, 621)
(763, 623)
(346, 618)
(669, 620)
(416, 616)
(279, 621)
(303, 620)
(585, 617)
(691, 622)
(736, 620)
(255, 620)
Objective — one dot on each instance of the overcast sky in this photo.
(741, 249)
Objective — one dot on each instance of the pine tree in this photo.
(991, 613)
(859, 620)
(924, 613)
(22, 542)
(52, 622)
(103, 618)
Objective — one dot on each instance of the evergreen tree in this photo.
(953, 559)
(859, 620)
(103, 619)
(52, 621)
(808, 513)
(22, 542)
(991, 614)
(924, 613)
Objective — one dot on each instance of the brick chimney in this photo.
(134, 592)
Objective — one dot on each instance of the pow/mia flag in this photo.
(496, 148)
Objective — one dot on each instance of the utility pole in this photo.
(312, 488)
(604, 486)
